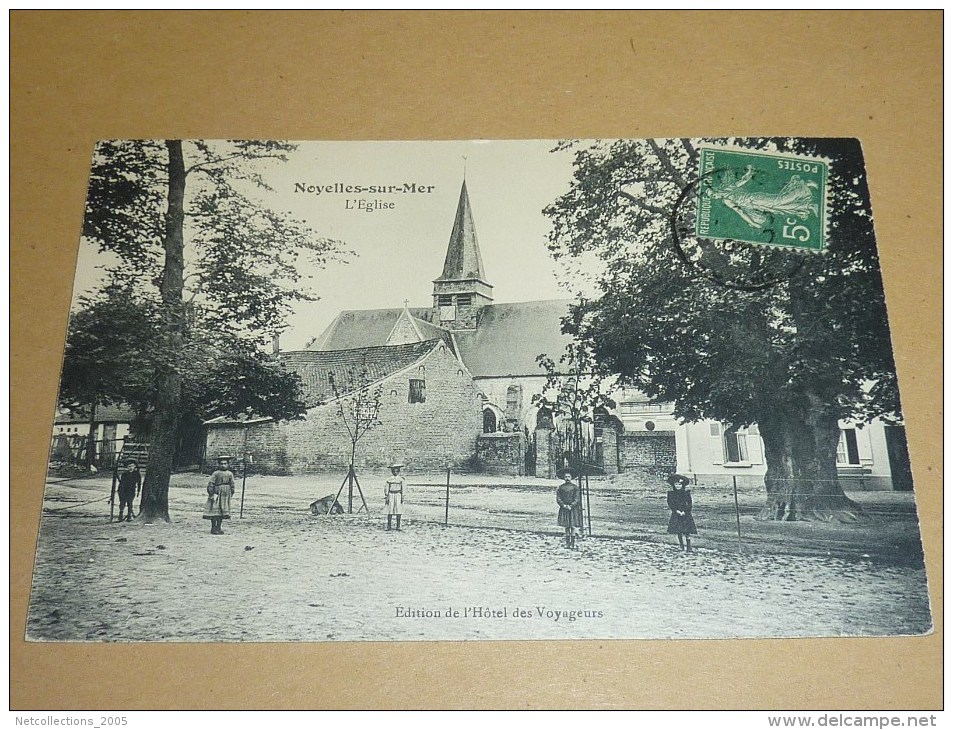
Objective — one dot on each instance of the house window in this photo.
(736, 445)
(418, 392)
(464, 300)
(445, 300)
(847, 451)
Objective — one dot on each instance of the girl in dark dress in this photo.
(680, 502)
(569, 499)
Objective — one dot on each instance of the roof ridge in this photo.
(325, 353)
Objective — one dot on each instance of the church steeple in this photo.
(461, 290)
(463, 260)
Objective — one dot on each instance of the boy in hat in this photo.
(394, 494)
(130, 483)
(221, 488)
(681, 522)
(569, 499)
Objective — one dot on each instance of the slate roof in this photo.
(509, 337)
(355, 328)
(314, 367)
(463, 252)
(507, 340)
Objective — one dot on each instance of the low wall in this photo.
(500, 453)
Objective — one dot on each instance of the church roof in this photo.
(315, 368)
(509, 337)
(371, 327)
(506, 341)
(463, 252)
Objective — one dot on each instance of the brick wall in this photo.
(500, 453)
(651, 450)
(429, 435)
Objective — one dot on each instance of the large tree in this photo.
(189, 229)
(738, 333)
(114, 350)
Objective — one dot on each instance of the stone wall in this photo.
(265, 442)
(650, 450)
(610, 450)
(545, 463)
(425, 436)
(500, 453)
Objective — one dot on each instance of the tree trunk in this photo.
(800, 451)
(155, 490)
(818, 463)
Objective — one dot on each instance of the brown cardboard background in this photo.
(79, 77)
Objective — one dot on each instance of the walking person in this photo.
(394, 494)
(130, 484)
(681, 522)
(569, 499)
(221, 489)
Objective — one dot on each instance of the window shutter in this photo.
(864, 449)
(755, 446)
(716, 443)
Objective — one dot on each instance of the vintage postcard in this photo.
(478, 390)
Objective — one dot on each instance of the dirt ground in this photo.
(498, 571)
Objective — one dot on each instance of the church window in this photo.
(445, 300)
(512, 401)
(422, 370)
(544, 418)
(464, 300)
(418, 392)
(489, 421)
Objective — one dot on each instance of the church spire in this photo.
(461, 290)
(463, 253)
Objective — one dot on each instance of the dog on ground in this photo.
(326, 505)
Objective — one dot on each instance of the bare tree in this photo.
(358, 409)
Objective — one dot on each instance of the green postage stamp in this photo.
(774, 199)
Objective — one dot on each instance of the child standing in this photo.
(681, 522)
(221, 488)
(394, 494)
(569, 499)
(130, 483)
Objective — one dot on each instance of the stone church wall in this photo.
(514, 397)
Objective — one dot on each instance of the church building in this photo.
(456, 383)
(456, 380)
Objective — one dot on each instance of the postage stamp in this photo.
(763, 198)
